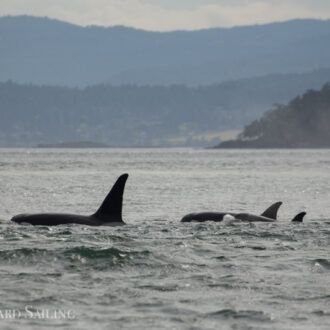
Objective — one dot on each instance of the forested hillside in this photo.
(302, 123)
(141, 115)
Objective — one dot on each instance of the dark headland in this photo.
(302, 123)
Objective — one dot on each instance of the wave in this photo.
(244, 314)
(73, 257)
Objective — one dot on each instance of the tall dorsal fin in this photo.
(299, 217)
(111, 208)
(271, 212)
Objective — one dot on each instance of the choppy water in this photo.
(156, 273)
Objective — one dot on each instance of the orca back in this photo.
(299, 217)
(111, 208)
(271, 212)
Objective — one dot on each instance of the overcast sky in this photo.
(164, 15)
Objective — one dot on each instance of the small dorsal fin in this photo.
(299, 217)
(271, 212)
(111, 208)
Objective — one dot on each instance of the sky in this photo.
(168, 15)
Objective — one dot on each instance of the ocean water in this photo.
(155, 272)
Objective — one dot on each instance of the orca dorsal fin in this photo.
(299, 217)
(271, 212)
(111, 208)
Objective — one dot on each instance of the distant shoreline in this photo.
(78, 144)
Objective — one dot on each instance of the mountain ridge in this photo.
(44, 51)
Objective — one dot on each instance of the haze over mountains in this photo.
(140, 88)
(45, 51)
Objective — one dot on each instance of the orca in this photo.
(108, 214)
(269, 215)
(299, 217)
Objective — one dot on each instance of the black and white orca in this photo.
(109, 213)
(269, 215)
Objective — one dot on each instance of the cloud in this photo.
(156, 15)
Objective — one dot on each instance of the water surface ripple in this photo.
(156, 272)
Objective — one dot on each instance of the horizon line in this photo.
(164, 31)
